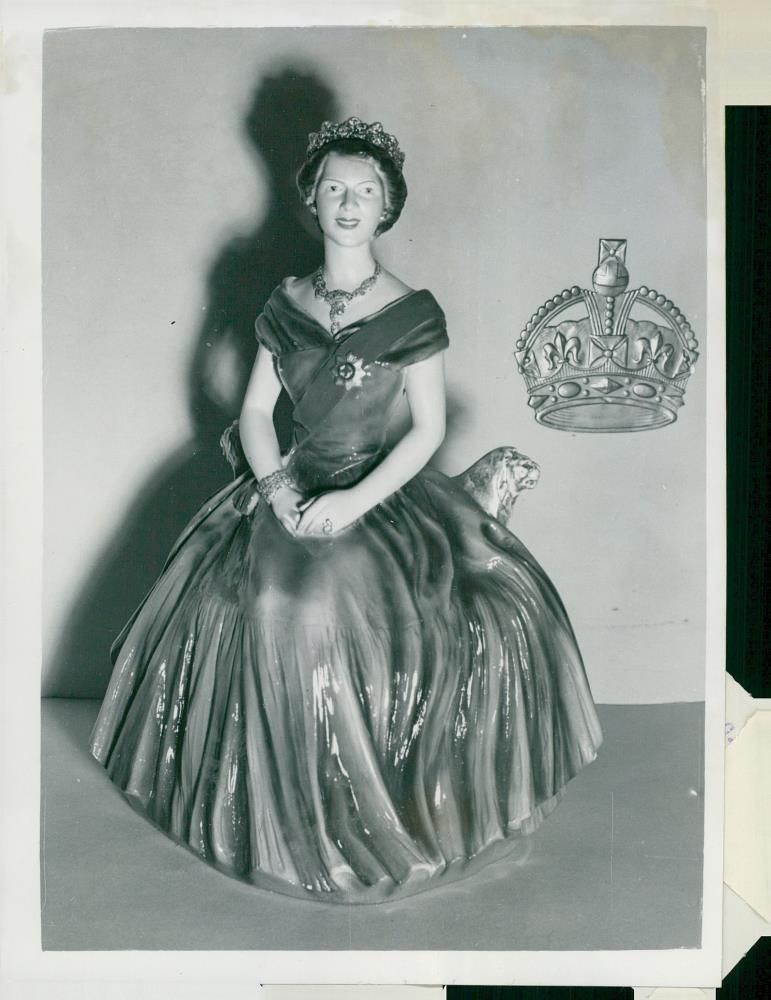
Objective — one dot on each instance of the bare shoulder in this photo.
(393, 287)
(300, 289)
(295, 285)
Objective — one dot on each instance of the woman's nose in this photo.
(349, 198)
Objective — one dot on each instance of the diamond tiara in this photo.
(606, 371)
(355, 128)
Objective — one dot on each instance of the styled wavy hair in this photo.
(391, 176)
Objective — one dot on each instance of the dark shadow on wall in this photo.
(285, 107)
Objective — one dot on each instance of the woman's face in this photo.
(349, 199)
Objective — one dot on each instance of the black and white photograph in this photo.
(376, 522)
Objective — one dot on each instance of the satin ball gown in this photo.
(354, 717)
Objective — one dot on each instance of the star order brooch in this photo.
(350, 372)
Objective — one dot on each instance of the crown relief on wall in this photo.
(607, 372)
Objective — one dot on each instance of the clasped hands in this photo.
(324, 515)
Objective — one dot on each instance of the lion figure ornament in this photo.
(497, 479)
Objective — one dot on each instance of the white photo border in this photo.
(22, 957)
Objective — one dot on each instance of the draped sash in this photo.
(377, 339)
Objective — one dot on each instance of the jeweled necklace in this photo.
(338, 299)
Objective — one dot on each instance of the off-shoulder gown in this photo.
(353, 717)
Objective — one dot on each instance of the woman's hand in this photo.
(329, 513)
(286, 506)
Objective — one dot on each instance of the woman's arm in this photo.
(424, 383)
(255, 425)
(258, 436)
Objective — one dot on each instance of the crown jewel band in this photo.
(355, 128)
(604, 371)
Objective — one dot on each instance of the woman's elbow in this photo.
(433, 435)
(250, 418)
(245, 419)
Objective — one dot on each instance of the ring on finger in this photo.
(326, 526)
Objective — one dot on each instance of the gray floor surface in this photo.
(617, 866)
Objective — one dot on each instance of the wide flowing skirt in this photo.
(348, 718)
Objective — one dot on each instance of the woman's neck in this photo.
(347, 267)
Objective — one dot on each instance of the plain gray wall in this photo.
(168, 216)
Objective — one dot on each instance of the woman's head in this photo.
(355, 141)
